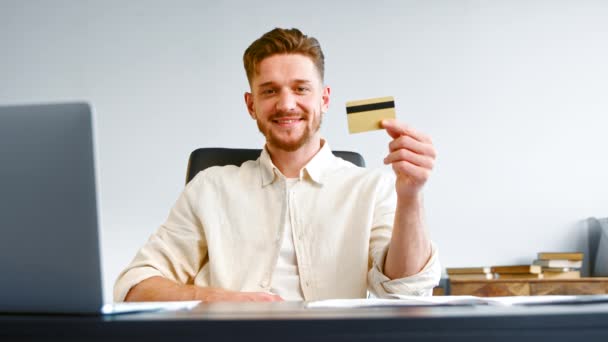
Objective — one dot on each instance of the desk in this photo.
(293, 322)
(529, 287)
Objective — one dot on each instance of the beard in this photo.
(275, 140)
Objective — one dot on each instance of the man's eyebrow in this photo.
(302, 81)
(296, 81)
(265, 84)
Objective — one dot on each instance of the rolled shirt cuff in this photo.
(419, 284)
(130, 278)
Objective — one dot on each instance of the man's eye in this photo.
(268, 91)
(302, 89)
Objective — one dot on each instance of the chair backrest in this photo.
(203, 158)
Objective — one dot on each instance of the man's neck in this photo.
(290, 163)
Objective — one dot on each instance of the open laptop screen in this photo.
(49, 247)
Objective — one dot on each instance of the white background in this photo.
(514, 94)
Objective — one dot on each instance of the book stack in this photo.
(518, 272)
(470, 273)
(560, 265)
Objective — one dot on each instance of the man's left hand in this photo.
(412, 156)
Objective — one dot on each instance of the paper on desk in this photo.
(546, 300)
(118, 308)
(399, 300)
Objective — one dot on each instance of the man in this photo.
(298, 223)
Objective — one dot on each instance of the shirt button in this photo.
(307, 284)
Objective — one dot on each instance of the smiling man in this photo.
(287, 100)
(298, 223)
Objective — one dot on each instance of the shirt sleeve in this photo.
(380, 285)
(175, 251)
(419, 284)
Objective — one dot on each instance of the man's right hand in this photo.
(210, 294)
(158, 289)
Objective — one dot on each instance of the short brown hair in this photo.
(283, 41)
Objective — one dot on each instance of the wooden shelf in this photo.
(529, 287)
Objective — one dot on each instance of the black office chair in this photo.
(203, 158)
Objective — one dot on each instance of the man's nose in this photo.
(286, 102)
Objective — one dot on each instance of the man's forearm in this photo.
(159, 289)
(410, 247)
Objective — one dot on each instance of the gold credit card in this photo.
(365, 115)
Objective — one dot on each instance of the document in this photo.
(119, 308)
(399, 300)
(547, 300)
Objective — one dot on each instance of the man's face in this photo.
(287, 100)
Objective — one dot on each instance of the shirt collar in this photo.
(320, 163)
(267, 169)
(315, 168)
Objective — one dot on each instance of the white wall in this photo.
(513, 93)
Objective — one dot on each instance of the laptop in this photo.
(49, 242)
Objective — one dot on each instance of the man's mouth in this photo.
(287, 122)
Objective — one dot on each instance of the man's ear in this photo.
(325, 99)
(249, 104)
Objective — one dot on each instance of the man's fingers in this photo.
(267, 297)
(274, 297)
(394, 132)
(409, 143)
(419, 174)
(222, 295)
(410, 157)
(396, 129)
(255, 297)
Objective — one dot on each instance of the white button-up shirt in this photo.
(286, 279)
(226, 231)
